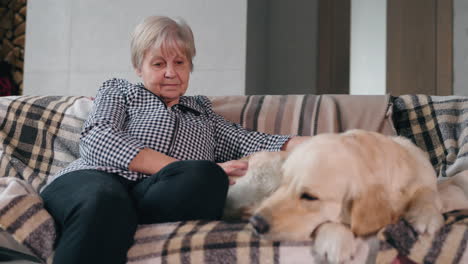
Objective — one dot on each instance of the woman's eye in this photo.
(308, 197)
(179, 62)
(158, 64)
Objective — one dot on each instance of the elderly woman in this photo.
(148, 153)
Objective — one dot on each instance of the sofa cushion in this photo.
(307, 114)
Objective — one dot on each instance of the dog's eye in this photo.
(306, 196)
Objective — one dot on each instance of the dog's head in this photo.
(332, 178)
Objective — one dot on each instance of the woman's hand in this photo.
(234, 168)
(149, 161)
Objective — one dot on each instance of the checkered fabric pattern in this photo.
(439, 126)
(127, 118)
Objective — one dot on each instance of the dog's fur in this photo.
(360, 181)
(263, 177)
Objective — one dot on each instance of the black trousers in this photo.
(97, 213)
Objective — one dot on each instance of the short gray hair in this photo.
(163, 33)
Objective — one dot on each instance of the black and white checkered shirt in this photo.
(127, 118)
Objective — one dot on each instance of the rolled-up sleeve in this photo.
(103, 141)
(234, 141)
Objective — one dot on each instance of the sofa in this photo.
(40, 135)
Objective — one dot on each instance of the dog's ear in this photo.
(371, 211)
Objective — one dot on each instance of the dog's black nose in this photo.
(260, 224)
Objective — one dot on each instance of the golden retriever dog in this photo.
(338, 188)
(262, 178)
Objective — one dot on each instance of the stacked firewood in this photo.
(12, 38)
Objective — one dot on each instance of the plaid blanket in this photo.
(211, 242)
(448, 245)
(221, 242)
(23, 216)
(39, 135)
(438, 125)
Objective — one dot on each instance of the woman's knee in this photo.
(203, 171)
(182, 191)
(209, 184)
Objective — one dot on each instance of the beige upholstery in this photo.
(308, 114)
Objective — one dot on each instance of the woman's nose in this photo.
(170, 71)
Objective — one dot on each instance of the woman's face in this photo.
(165, 74)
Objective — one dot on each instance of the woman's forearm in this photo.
(149, 161)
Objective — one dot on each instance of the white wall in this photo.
(368, 47)
(460, 47)
(73, 46)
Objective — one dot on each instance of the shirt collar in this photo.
(190, 103)
(185, 102)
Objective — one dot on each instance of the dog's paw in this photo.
(425, 219)
(335, 243)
